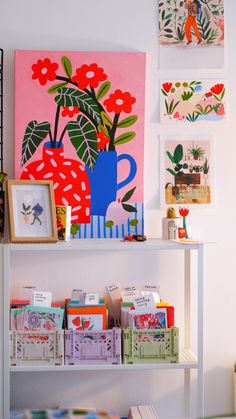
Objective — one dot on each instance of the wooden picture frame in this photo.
(32, 211)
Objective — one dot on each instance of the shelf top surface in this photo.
(105, 244)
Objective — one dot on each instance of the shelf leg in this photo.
(6, 328)
(187, 321)
(200, 375)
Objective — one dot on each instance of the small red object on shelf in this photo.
(135, 238)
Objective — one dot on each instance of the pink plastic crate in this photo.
(94, 347)
(37, 348)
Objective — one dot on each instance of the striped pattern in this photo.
(97, 229)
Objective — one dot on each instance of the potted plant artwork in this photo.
(178, 170)
(189, 172)
(196, 152)
(88, 116)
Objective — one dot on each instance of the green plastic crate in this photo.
(151, 346)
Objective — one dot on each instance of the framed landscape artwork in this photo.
(193, 101)
(192, 31)
(79, 121)
(187, 170)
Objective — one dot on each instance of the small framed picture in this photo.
(32, 212)
(187, 170)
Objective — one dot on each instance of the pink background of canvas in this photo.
(125, 71)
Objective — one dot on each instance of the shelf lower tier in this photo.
(186, 360)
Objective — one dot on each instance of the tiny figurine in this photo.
(170, 225)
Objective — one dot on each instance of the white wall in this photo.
(130, 25)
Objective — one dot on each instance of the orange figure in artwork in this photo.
(191, 21)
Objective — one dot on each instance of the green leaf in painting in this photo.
(129, 208)
(34, 134)
(128, 195)
(133, 222)
(83, 137)
(54, 89)
(171, 171)
(170, 156)
(101, 128)
(167, 23)
(178, 153)
(74, 97)
(66, 63)
(127, 122)
(124, 138)
(106, 119)
(103, 89)
(109, 223)
(222, 95)
(164, 93)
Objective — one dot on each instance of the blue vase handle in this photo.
(132, 171)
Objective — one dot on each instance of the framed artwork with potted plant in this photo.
(187, 170)
(32, 212)
(192, 31)
(193, 101)
(82, 126)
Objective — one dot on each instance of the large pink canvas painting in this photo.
(79, 121)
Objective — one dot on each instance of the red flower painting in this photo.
(103, 140)
(89, 75)
(69, 111)
(119, 101)
(44, 70)
(166, 87)
(217, 89)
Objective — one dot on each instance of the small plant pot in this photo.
(170, 228)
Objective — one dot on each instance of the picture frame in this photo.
(32, 212)
(194, 187)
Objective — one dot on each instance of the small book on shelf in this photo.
(142, 412)
(63, 222)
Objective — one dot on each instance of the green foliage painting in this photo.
(198, 22)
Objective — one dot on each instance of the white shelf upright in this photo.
(187, 359)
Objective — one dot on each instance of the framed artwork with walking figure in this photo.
(192, 31)
(32, 211)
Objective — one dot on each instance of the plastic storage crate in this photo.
(37, 348)
(151, 346)
(93, 347)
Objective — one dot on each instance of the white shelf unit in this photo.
(187, 360)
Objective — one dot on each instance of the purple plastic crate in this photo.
(94, 347)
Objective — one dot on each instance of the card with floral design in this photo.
(192, 101)
(150, 320)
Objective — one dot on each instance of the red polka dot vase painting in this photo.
(79, 121)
